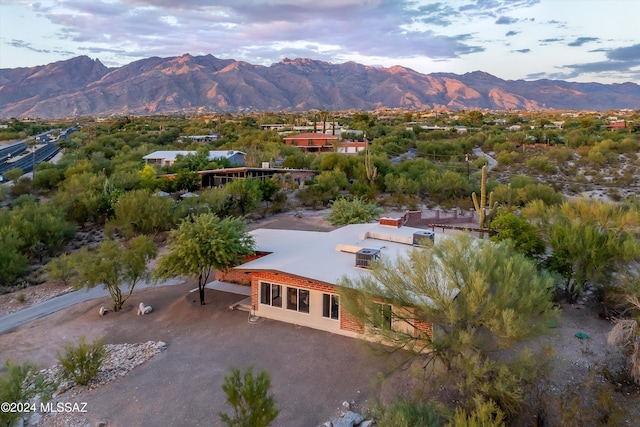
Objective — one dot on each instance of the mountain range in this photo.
(83, 86)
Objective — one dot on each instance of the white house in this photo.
(294, 274)
(168, 158)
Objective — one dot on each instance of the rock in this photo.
(346, 405)
(366, 423)
(350, 419)
(327, 424)
(35, 418)
(144, 309)
(102, 311)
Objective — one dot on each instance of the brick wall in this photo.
(235, 276)
(423, 327)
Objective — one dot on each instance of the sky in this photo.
(573, 40)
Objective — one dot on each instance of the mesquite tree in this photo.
(203, 244)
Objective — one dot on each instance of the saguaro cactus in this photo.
(481, 206)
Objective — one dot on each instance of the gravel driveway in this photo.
(312, 372)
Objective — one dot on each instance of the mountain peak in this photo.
(84, 86)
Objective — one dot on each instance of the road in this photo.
(492, 162)
(61, 302)
(18, 155)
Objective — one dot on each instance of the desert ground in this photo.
(312, 372)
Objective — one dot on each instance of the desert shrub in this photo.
(356, 211)
(13, 174)
(62, 268)
(560, 153)
(485, 414)
(20, 383)
(541, 164)
(505, 158)
(81, 362)
(248, 395)
(409, 414)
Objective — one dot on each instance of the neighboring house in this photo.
(212, 137)
(294, 274)
(347, 146)
(312, 142)
(168, 158)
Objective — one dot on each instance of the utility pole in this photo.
(466, 158)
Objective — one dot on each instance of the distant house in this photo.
(168, 158)
(347, 146)
(294, 274)
(312, 142)
(212, 137)
(617, 125)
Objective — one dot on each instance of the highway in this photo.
(19, 155)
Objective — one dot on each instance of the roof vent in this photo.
(365, 256)
(420, 237)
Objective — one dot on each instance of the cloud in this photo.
(512, 33)
(551, 40)
(260, 30)
(629, 53)
(522, 50)
(621, 62)
(21, 44)
(505, 20)
(582, 40)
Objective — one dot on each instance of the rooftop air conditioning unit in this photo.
(420, 237)
(364, 257)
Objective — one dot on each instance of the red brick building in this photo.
(312, 142)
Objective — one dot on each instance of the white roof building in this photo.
(169, 157)
(294, 276)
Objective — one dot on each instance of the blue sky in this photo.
(575, 40)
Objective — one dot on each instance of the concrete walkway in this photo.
(229, 287)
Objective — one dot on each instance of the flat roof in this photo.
(316, 255)
(173, 154)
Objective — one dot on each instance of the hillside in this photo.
(82, 86)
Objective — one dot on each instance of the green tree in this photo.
(249, 397)
(139, 211)
(202, 244)
(245, 194)
(13, 263)
(115, 266)
(61, 268)
(478, 296)
(356, 211)
(13, 174)
(148, 177)
(592, 242)
(520, 231)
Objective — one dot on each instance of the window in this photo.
(382, 316)
(270, 294)
(298, 300)
(330, 306)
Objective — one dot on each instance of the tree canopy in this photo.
(479, 296)
(113, 265)
(202, 244)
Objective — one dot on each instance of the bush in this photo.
(248, 397)
(409, 414)
(82, 362)
(20, 383)
(356, 211)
